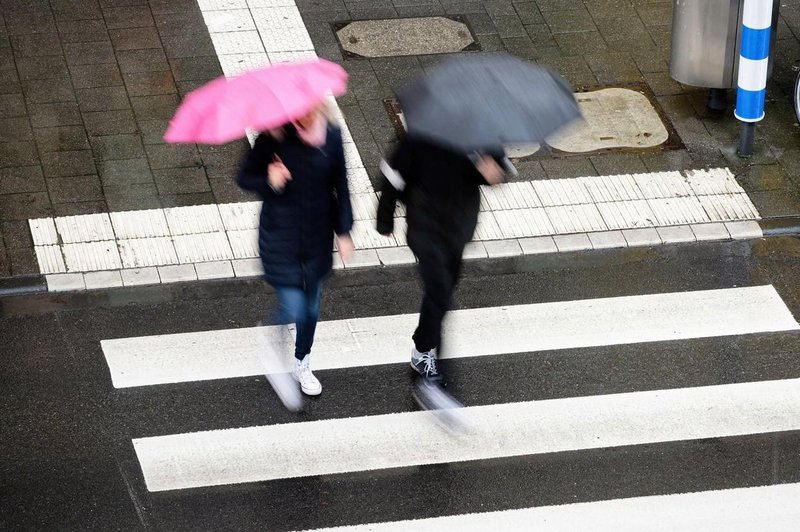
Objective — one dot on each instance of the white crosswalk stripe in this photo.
(401, 439)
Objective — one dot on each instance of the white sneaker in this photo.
(302, 374)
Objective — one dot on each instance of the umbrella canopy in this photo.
(478, 102)
(222, 109)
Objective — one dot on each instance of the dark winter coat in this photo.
(297, 223)
(441, 190)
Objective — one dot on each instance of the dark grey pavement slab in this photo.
(67, 461)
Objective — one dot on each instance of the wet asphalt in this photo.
(66, 459)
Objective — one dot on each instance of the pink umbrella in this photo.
(221, 110)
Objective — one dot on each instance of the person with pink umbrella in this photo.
(297, 168)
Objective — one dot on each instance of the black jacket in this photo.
(297, 223)
(440, 188)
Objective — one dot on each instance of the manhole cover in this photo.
(404, 36)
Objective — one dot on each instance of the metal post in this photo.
(753, 63)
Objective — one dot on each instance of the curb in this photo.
(22, 285)
(781, 226)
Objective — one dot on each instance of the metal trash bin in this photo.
(706, 35)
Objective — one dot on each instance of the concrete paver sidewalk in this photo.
(87, 88)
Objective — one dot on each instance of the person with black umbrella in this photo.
(459, 116)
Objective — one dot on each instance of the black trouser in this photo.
(439, 266)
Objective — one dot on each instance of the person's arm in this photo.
(396, 172)
(492, 168)
(344, 209)
(253, 174)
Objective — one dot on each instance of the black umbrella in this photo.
(485, 101)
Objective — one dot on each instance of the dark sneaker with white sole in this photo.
(425, 364)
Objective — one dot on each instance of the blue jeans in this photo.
(301, 307)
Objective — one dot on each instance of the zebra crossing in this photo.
(716, 406)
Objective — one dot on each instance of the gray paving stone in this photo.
(68, 163)
(579, 42)
(128, 17)
(214, 270)
(502, 248)
(528, 12)
(567, 168)
(576, 242)
(112, 147)
(92, 76)
(538, 244)
(19, 179)
(499, 7)
(475, 250)
(775, 202)
(25, 206)
(225, 190)
(607, 239)
(132, 197)
(82, 30)
(147, 60)
(188, 21)
(160, 106)
(746, 229)
(31, 22)
(674, 234)
(125, 172)
(509, 26)
(618, 163)
(36, 45)
(152, 131)
(642, 237)
(134, 38)
(149, 83)
(396, 256)
(103, 99)
(12, 105)
(9, 82)
(18, 154)
(48, 67)
(195, 68)
(16, 234)
(173, 156)
(186, 200)
(89, 53)
(160, 7)
(110, 122)
(662, 84)
(181, 181)
(55, 114)
(48, 91)
(65, 10)
(15, 129)
(569, 21)
(187, 45)
(80, 208)
(247, 267)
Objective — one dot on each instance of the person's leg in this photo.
(272, 353)
(307, 320)
(306, 327)
(438, 279)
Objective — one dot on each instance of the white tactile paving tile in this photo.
(238, 216)
(270, 3)
(365, 237)
(475, 250)
(395, 256)
(202, 247)
(399, 233)
(139, 224)
(221, 5)
(572, 242)
(678, 211)
(50, 259)
(744, 229)
(65, 282)
(502, 248)
(193, 220)
(646, 236)
(538, 244)
(675, 234)
(365, 206)
(626, 214)
(286, 40)
(92, 256)
(237, 42)
(141, 252)
(235, 64)
(710, 231)
(556, 192)
(363, 258)
(273, 18)
(351, 157)
(299, 56)
(358, 181)
(523, 223)
(575, 218)
(487, 228)
(609, 188)
(247, 267)
(229, 20)
(726, 207)
(657, 185)
(43, 231)
(509, 196)
(84, 228)
(713, 181)
(244, 243)
(607, 239)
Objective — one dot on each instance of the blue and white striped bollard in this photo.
(753, 63)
